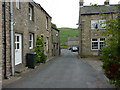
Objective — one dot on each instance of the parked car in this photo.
(74, 49)
(69, 48)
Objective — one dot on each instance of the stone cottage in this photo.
(91, 25)
(55, 42)
(24, 21)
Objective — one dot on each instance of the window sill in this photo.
(94, 49)
(98, 29)
(30, 48)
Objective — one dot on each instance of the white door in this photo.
(18, 49)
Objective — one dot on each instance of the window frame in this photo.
(94, 42)
(101, 41)
(99, 25)
(47, 22)
(31, 40)
(98, 41)
(18, 4)
(31, 12)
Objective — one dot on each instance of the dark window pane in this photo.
(94, 45)
(18, 39)
(30, 44)
(102, 44)
(102, 39)
(18, 46)
(95, 39)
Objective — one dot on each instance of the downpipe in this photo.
(5, 61)
(12, 39)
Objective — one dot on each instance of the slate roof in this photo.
(98, 9)
(39, 6)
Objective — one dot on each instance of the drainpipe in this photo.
(5, 65)
(12, 38)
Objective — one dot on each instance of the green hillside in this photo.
(66, 32)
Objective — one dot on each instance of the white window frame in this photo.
(94, 42)
(18, 4)
(94, 23)
(47, 22)
(101, 41)
(47, 43)
(31, 40)
(100, 24)
(98, 41)
(30, 13)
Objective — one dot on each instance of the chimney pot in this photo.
(106, 2)
(119, 2)
(81, 2)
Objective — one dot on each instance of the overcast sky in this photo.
(65, 13)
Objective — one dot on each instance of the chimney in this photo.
(119, 2)
(107, 3)
(81, 3)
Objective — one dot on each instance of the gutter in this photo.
(12, 39)
(5, 61)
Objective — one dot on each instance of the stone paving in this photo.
(66, 71)
(95, 62)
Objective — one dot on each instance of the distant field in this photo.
(66, 32)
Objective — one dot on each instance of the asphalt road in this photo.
(66, 71)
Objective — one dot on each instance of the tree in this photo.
(39, 49)
(111, 53)
(54, 25)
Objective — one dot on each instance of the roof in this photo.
(73, 38)
(39, 6)
(85, 10)
(55, 29)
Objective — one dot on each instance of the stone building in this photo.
(36, 21)
(91, 25)
(55, 42)
(24, 21)
(73, 41)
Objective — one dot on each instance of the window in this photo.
(47, 43)
(31, 40)
(30, 12)
(18, 4)
(94, 24)
(46, 22)
(98, 24)
(97, 43)
(102, 24)
(102, 43)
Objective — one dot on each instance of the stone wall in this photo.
(8, 64)
(24, 26)
(73, 43)
(55, 42)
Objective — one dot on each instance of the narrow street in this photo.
(66, 71)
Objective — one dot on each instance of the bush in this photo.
(111, 53)
(39, 49)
